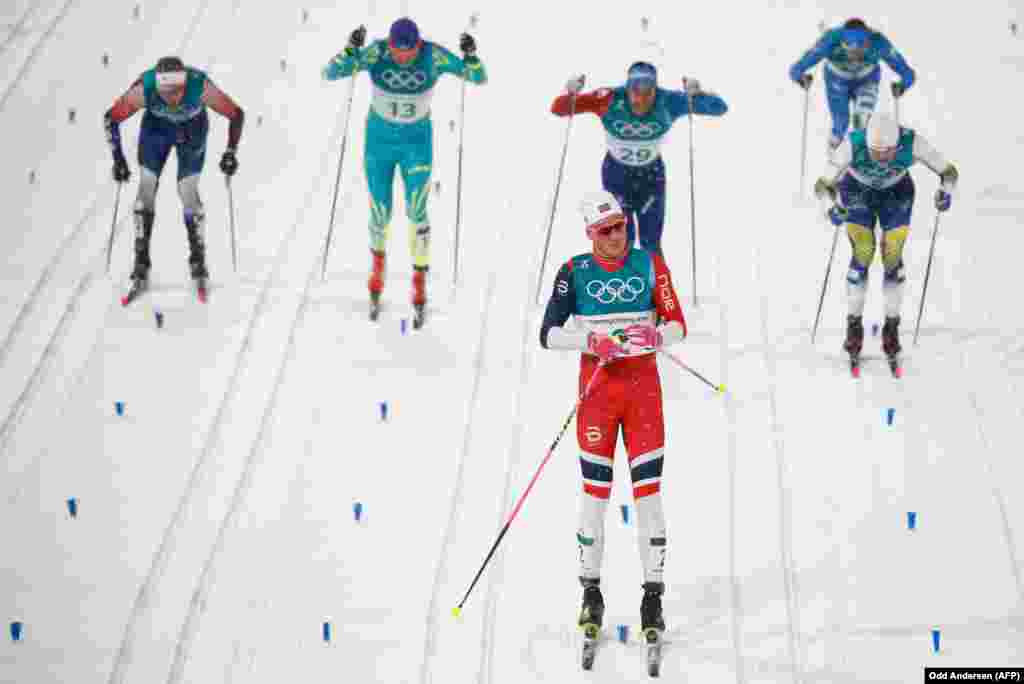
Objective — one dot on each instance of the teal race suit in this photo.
(399, 132)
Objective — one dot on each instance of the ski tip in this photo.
(124, 301)
(855, 371)
(721, 389)
(456, 612)
(897, 372)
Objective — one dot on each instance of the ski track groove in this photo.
(162, 554)
(19, 25)
(30, 60)
(29, 304)
(485, 672)
(21, 404)
(785, 504)
(735, 596)
(430, 639)
(201, 593)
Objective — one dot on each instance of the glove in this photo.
(644, 335)
(898, 89)
(691, 85)
(805, 81)
(229, 163)
(121, 171)
(825, 189)
(604, 347)
(467, 45)
(575, 84)
(357, 38)
(943, 200)
(838, 215)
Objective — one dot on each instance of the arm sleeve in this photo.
(217, 100)
(559, 308)
(707, 104)
(821, 50)
(470, 68)
(892, 57)
(596, 102)
(934, 160)
(126, 105)
(670, 309)
(348, 62)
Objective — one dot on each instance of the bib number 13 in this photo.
(402, 110)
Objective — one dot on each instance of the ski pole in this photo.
(113, 225)
(803, 140)
(927, 274)
(718, 388)
(824, 285)
(456, 611)
(337, 181)
(458, 184)
(693, 206)
(554, 202)
(231, 214)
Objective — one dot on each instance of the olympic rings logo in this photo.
(608, 292)
(404, 80)
(628, 129)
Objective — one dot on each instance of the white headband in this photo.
(170, 79)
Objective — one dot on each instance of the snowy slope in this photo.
(215, 532)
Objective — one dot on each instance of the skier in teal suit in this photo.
(399, 133)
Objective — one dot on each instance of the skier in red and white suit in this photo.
(624, 308)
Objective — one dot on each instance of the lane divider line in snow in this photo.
(35, 53)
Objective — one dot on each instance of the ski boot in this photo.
(891, 344)
(653, 625)
(140, 272)
(376, 283)
(591, 617)
(419, 296)
(854, 342)
(194, 223)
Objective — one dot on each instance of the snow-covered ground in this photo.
(215, 532)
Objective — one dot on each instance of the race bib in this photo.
(634, 152)
(401, 109)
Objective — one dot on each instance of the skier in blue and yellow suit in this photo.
(404, 70)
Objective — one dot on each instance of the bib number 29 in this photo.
(640, 156)
(402, 110)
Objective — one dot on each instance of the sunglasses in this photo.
(403, 54)
(608, 229)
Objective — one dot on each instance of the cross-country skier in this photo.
(399, 133)
(872, 185)
(625, 308)
(175, 98)
(852, 73)
(636, 117)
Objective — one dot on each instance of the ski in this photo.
(895, 367)
(653, 642)
(137, 289)
(591, 638)
(202, 289)
(374, 306)
(419, 315)
(855, 365)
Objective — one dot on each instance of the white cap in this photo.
(170, 79)
(599, 207)
(883, 132)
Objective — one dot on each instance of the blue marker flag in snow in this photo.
(73, 507)
(911, 520)
(119, 407)
(625, 514)
(357, 510)
(935, 640)
(383, 410)
(889, 415)
(623, 631)
(327, 631)
(16, 631)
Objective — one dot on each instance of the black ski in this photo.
(374, 306)
(591, 638)
(137, 289)
(653, 642)
(419, 315)
(855, 365)
(202, 289)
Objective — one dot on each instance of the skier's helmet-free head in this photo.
(855, 38)
(602, 214)
(404, 40)
(170, 73)
(641, 77)
(883, 137)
